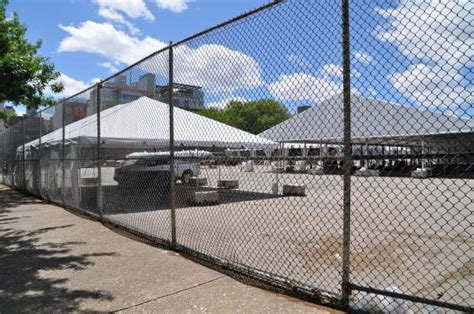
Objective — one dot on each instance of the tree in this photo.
(253, 116)
(24, 75)
(5, 116)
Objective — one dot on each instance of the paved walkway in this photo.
(53, 260)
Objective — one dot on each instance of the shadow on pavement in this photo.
(118, 201)
(24, 260)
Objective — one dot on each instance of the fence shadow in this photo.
(117, 201)
(23, 258)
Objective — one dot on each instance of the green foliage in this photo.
(7, 115)
(253, 116)
(24, 75)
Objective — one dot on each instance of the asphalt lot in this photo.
(413, 234)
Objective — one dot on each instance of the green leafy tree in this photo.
(24, 75)
(7, 115)
(252, 116)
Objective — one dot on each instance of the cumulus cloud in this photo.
(332, 70)
(215, 67)
(176, 6)
(438, 38)
(113, 15)
(363, 57)
(433, 86)
(109, 66)
(132, 8)
(302, 86)
(105, 40)
(225, 102)
(71, 85)
(298, 60)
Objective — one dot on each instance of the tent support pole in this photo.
(172, 162)
(347, 166)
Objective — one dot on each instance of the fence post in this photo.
(347, 165)
(40, 152)
(63, 154)
(23, 163)
(12, 160)
(99, 166)
(172, 163)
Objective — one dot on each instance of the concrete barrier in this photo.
(228, 184)
(294, 190)
(204, 197)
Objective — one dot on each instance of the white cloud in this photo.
(71, 86)
(109, 66)
(436, 30)
(298, 60)
(113, 15)
(363, 57)
(211, 66)
(436, 35)
(302, 86)
(216, 67)
(176, 6)
(132, 8)
(332, 69)
(433, 87)
(225, 102)
(105, 40)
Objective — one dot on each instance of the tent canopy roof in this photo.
(373, 122)
(146, 120)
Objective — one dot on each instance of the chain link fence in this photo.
(321, 148)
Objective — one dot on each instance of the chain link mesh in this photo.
(229, 146)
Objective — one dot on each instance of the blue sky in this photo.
(414, 54)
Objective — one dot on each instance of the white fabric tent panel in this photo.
(370, 118)
(146, 119)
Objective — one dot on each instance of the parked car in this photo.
(144, 168)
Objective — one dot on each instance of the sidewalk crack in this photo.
(169, 294)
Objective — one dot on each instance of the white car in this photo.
(147, 168)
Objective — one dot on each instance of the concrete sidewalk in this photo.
(53, 260)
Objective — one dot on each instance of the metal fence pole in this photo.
(23, 163)
(99, 166)
(63, 155)
(172, 163)
(39, 151)
(347, 166)
(12, 159)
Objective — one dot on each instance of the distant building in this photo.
(187, 97)
(74, 110)
(119, 91)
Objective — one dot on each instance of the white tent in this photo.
(372, 121)
(146, 120)
(138, 125)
